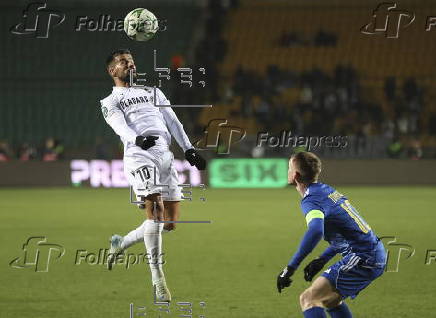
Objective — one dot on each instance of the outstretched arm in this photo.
(174, 125)
(314, 233)
(176, 128)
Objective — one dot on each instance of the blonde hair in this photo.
(308, 166)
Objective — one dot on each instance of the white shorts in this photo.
(149, 174)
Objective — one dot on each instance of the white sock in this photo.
(133, 237)
(136, 236)
(153, 245)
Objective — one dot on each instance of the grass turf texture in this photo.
(231, 264)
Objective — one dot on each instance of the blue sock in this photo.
(341, 311)
(314, 312)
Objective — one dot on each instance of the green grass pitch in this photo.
(230, 264)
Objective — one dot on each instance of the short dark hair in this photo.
(115, 53)
(308, 166)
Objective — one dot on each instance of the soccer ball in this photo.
(140, 24)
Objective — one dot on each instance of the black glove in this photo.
(195, 159)
(284, 278)
(146, 142)
(313, 268)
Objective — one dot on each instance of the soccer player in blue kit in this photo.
(329, 214)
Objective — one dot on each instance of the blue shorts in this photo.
(353, 272)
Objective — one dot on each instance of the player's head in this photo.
(119, 63)
(304, 168)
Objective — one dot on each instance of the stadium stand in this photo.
(271, 65)
(64, 76)
(305, 63)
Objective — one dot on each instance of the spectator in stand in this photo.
(323, 38)
(53, 150)
(414, 150)
(390, 88)
(290, 39)
(27, 152)
(5, 151)
(395, 149)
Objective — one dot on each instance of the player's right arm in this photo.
(316, 265)
(114, 116)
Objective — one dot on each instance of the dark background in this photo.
(300, 66)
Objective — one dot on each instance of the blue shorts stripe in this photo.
(353, 262)
(349, 277)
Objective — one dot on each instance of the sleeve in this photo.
(311, 238)
(312, 210)
(308, 204)
(315, 231)
(115, 118)
(174, 125)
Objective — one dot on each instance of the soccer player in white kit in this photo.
(145, 131)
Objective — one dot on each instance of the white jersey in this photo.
(131, 112)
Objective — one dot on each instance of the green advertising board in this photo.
(248, 173)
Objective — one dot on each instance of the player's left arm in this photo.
(176, 129)
(173, 123)
(314, 233)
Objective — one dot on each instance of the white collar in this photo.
(120, 89)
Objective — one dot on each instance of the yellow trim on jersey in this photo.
(314, 214)
(365, 228)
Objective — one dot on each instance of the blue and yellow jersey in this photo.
(344, 228)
